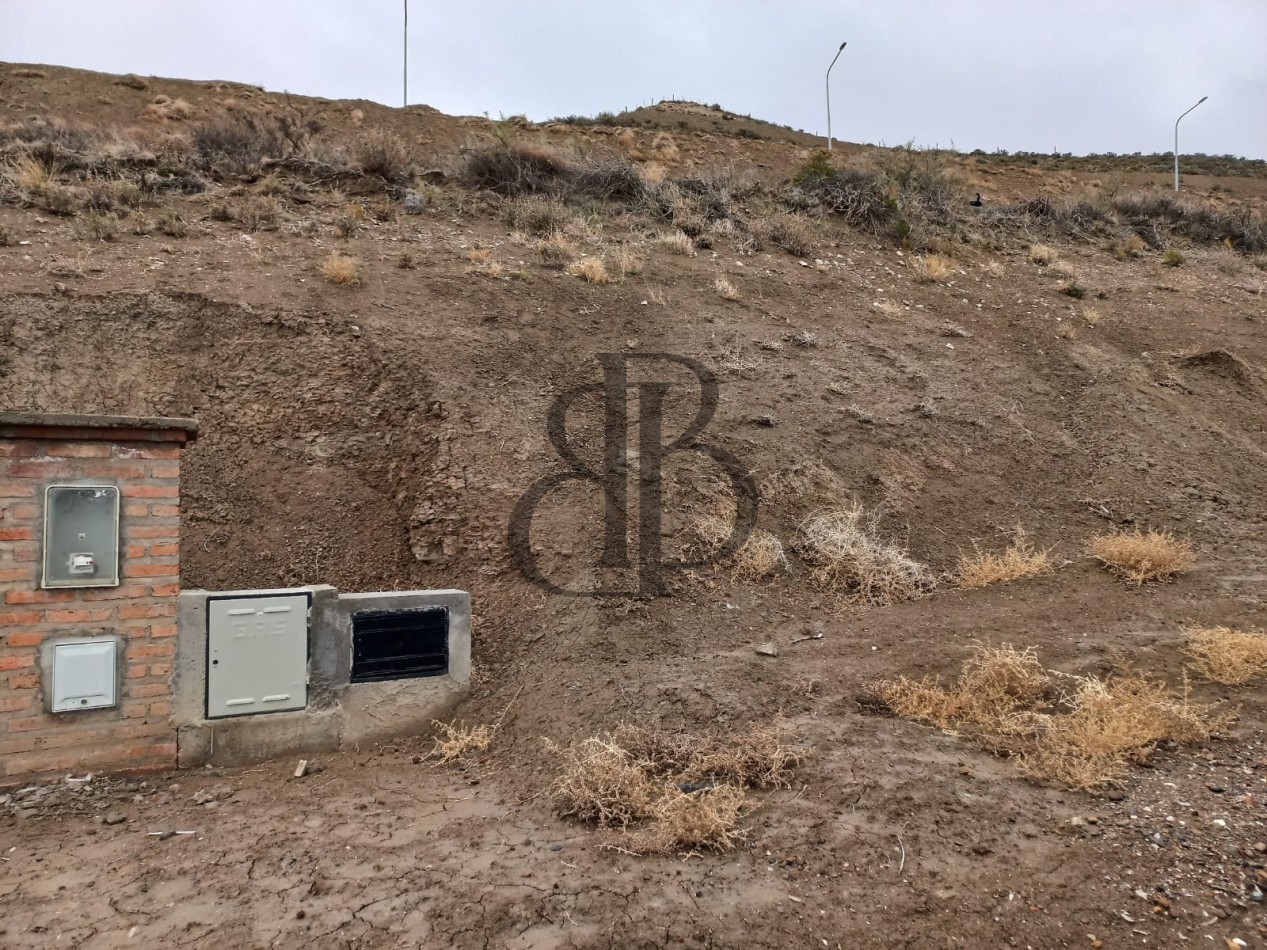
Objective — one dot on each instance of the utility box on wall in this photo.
(257, 654)
(89, 573)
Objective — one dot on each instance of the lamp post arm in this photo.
(833, 63)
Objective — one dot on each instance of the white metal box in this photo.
(81, 536)
(257, 655)
(84, 674)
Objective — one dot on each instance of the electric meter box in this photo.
(257, 654)
(84, 674)
(81, 536)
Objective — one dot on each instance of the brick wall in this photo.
(136, 733)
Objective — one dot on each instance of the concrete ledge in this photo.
(61, 426)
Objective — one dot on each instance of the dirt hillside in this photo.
(371, 311)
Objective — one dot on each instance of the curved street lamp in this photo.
(1203, 98)
(833, 63)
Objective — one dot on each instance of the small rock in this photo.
(1115, 796)
(1217, 789)
(1077, 821)
(767, 649)
(113, 818)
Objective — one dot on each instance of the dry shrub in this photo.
(1130, 246)
(1020, 559)
(847, 557)
(996, 683)
(30, 175)
(789, 232)
(457, 741)
(1042, 254)
(602, 782)
(759, 557)
(678, 243)
(1228, 656)
(727, 290)
(479, 255)
(1084, 738)
(382, 153)
(705, 819)
(1112, 724)
(590, 269)
(556, 250)
(259, 213)
(687, 790)
(165, 108)
(540, 216)
(627, 262)
(932, 268)
(341, 269)
(1138, 556)
(493, 269)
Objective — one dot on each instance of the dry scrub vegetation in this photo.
(341, 269)
(1140, 556)
(1083, 732)
(1019, 559)
(847, 557)
(1228, 656)
(671, 792)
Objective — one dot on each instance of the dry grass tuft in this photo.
(1112, 724)
(687, 791)
(590, 269)
(678, 243)
(1139, 556)
(1020, 559)
(727, 290)
(627, 262)
(1084, 738)
(758, 558)
(705, 819)
(556, 250)
(932, 268)
(457, 741)
(602, 782)
(1228, 656)
(1042, 254)
(846, 556)
(341, 269)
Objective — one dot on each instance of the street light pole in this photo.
(833, 63)
(405, 78)
(1203, 98)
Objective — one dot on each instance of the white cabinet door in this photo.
(257, 655)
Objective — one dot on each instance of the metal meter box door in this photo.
(81, 536)
(257, 654)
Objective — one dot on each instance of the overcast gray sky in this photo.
(1070, 75)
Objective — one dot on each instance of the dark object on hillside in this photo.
(976, 202)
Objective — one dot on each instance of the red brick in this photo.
(134, 632)
(165, 550)
(164, 470)
(39, 596)
(15, 490)
(133, 551)
(161, 669)
(24, 680)
(134, 710)
(27, 723)
(161, 709)
(10, 574)
(136, 510)
(137, 671)
(125, 592)
(17, 534)
(24, 639)
(147, 451)
(146, 611)
(24, 512)
(149, 690)
(160, 630)
(152, 570)
(165, 511)
(164, 590)
(25, 553)
(75, 450)
(42, 469)
(23, 618)
(9, 704)
(67, 616)
(153, 531)
(19, 662)
(152, 491)
(150, 649)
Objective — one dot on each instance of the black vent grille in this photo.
(400, 644)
